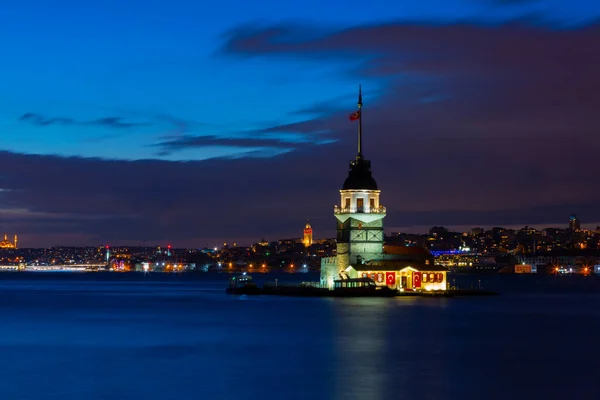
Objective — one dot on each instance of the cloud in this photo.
(211, 140)
(512, 2)
(113, 122)
(109, 122)
(267, 142)
(476, 124)
(194, 204)
(121, 201)
(40, 120)
(486, 80)
(487, 118)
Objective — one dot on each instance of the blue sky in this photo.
(139, 60)
(264, 87)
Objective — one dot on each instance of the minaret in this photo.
(359, 215)
(15, 240)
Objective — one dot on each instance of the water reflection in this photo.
(360, 332)
(98, 340)
(389, 349)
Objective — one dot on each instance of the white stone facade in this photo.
(360, 233)
(354, 200)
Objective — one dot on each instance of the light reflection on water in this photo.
(374, 357)
(360, 332)
(171, 340)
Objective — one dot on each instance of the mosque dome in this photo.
(6, 244)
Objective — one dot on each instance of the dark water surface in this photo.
(110, 336)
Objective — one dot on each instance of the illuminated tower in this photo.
(16, 241)
(359, 215)
(308, 235)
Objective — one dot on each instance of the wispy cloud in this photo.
(23, 213)
(268, 141)
(108, 122)
(211, 140)
(512, 2)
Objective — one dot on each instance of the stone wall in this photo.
(354, 223)
(343, 257)
(329, 271)
(366, 251)
(372, 250)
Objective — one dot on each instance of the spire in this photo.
(359, 156)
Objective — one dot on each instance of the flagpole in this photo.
(359, 121)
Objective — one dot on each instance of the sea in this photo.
(92, 336)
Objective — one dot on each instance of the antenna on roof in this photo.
(360, 104)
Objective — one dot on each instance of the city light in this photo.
(548, 251)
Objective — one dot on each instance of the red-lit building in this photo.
(308, 235)
(360, 250)
(403, 267)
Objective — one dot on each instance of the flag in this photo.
(390, 278)
(355, 115)
(416, 279)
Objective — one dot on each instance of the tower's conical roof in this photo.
(360, 176)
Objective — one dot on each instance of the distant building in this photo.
(308, 235)
(574, 223)
(360, 251)
(477, 231)
(5, 244)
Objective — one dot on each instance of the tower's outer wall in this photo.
(329, 271)
(369, 246)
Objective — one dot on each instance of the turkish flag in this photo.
(355, 115)
(416, 279)
(390, 278)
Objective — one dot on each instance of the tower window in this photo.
(360, 203)
(347, 205)
(372, 202)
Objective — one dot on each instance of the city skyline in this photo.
(164, 129)
(296, 234)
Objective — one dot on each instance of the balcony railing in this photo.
(357, 210)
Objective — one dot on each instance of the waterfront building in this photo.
(6, 244)
(360, 237)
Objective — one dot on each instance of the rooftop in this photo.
(360, 176)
